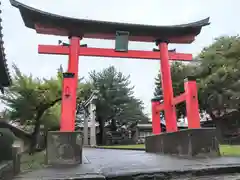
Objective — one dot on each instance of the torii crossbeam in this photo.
(76, 29)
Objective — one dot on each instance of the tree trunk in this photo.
(40, 111)
(218, 125)
(113, 125)
(101, 128)
(36, 131)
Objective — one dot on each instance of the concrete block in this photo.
(190, 142)
(64, 148)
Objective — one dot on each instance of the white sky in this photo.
(21, 42)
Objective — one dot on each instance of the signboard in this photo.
(121, 41)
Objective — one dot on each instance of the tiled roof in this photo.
(52, 24)
(5, 79)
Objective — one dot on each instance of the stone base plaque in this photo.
(64, 148)
(190, 142)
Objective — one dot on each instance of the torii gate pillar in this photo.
(170, 110)
(68, 114)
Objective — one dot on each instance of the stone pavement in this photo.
(109, 164)
(216, 177)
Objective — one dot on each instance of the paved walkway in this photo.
(111, 163)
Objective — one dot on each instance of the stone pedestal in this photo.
(64, 148)
(190, 142)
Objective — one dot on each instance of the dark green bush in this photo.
(7, 139)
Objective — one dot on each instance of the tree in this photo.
(219, 84)
(115, 103)
(219, 78)
(36, 101)
(29, 98)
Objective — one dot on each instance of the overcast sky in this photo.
(21, 43)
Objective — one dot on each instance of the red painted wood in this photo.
(192, 108)
(73, 68)
(66, 123)
(160, 107)
(101, 52)
(156, 126)
(175, 101)
(68, 110)
(179, 99)
(169, 108)
(53, 49)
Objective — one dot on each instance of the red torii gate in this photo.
(76, 29)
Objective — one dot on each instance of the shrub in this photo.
(7, 139)
(127, 142)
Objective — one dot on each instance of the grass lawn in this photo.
(31, 162)
(134, 146)
(226, 150)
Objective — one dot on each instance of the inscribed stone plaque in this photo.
(64, 147)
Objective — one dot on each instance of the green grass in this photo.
(32, 162)
(134, 146)
(226, 150)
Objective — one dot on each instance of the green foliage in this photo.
(33, 162)
(219, 83)
(115, 97)
(37, 101)
(28, 96)
(51, 116)
(21, 95)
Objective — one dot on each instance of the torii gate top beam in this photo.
(52, 24)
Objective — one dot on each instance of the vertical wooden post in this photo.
(74, 49)
(170, 110)
(67, 115)
(192, 104)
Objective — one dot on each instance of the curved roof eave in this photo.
(5, 79)
(33, 17)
